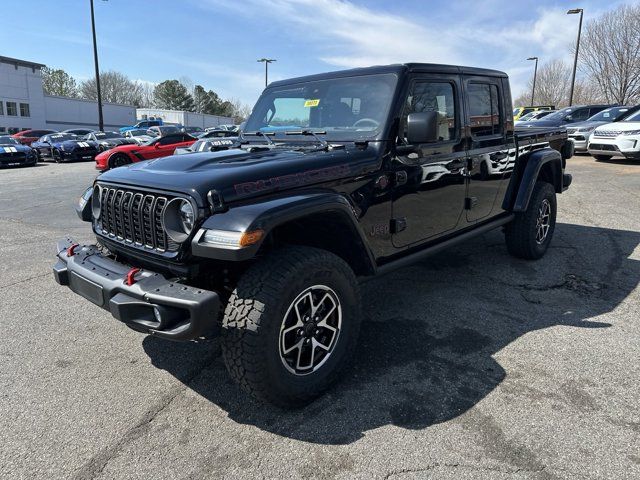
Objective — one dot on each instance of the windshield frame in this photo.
(333, 134)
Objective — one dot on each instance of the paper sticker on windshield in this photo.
(312, 103)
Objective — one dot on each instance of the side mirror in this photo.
(157, 145)
(422, 127)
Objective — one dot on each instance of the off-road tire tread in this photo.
(242, 344)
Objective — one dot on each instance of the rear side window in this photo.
(484, 109)
(429, 96)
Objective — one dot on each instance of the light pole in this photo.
(535, 74)
(266, 62)
(575, 60)
(95, 59)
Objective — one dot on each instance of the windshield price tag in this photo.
(312, 103)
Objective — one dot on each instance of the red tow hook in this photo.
(130, 280)
(71, 249)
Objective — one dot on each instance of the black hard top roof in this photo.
(396, 68)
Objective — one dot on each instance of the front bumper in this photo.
(626, 146)
(152, 304)
(580, 141)
(78, 155)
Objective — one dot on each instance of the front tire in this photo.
(119, 160)
(528, 236)
(291, 325)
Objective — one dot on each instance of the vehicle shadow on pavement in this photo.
(430, 334)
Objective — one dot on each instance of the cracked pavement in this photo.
(470, 365)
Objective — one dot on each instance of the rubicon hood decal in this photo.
(293, 180)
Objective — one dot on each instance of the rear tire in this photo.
(118, 160)
(528, 236)
(291, 325)
(602, 158)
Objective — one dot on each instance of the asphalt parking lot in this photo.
(470, 365)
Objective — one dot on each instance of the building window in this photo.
(12, 110)
(1, 108)
(24, 110)
(3, 129)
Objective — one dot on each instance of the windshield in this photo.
(350, 108)
(7, 140)
(135, 133)
(633, 118)
(61, 137)
(609, 115)
(559, 114)
(102, 135)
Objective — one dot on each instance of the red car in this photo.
(27, 137)
(156, 148)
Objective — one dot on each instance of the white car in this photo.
(617, 139)
(139, 136)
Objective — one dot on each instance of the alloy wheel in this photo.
(310, 330)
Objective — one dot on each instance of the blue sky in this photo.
(216, 42)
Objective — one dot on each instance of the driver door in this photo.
(430, 180)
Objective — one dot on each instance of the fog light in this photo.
(156, 314)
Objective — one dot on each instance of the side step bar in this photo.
(438, 247)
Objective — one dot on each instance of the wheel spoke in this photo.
(293, 347)
(298, 324)
(315, 343)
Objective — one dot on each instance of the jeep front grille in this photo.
(134, 218)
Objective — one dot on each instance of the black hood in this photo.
(239, 174)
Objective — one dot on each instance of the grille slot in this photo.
(134, 218)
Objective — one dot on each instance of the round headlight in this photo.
(96, 202)
(179, 218)
(187, 216)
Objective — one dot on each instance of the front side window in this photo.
(349, 108)
(24, 110)
(12, 109)
(428, 96)
(484, 109)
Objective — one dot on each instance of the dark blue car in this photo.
(64, 147)
(13, 153)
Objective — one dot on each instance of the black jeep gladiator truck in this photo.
(336, 178)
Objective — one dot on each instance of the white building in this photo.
(187, 119)
(21, 95)
(24, 106)
(62, 113)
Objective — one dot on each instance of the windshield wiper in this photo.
(258, 133)
(311, 133)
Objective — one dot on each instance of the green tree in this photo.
(173, 95)
(115, 87)
(202, 101)
(58, 82)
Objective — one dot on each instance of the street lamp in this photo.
(535, 74)
(95, 59)
(575, 60)
(266, 62)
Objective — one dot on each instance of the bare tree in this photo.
(610, 54)
(587, 92)
(116, 88)
(552, 84)
(146, 90)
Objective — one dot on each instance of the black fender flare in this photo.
(524, 180)
(268, 214)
